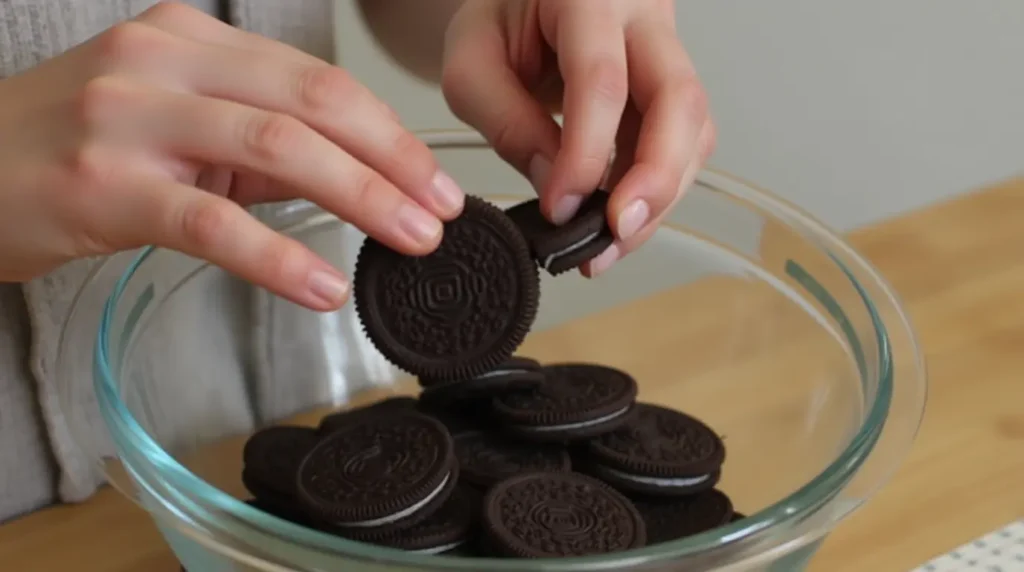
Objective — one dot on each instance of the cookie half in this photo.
(554, 515)
(561, 248)
(457, 312)
(383, 474)
(660, 451)
(576, 401)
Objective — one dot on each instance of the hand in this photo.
(625, 83)
(161, 129)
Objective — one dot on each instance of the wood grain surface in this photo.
(959, 269)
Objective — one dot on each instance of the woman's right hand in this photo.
(161, 129)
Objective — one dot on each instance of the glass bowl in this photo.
(742, 310)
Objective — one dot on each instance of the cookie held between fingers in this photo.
(457, 312)
(560, 248)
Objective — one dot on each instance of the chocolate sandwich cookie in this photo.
(397, 403)
(553, 515)
(271, 459)
(457, 312)
(449, 528)
(672, 519)
(561, 248)
(737, 516)
(487, 458)
(660, 452)
(383, 474)
(289, 512)
(514, 373)
(576, 401)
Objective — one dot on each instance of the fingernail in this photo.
(633, 218)
(447, 193)
(602, 262)
(420, 225)
(566, 208)
(328, 287)
(539, 169)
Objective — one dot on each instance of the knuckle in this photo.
(607, 79)
(365, 187)
(271, 136)
(100, 99)
(321, 87)
(87, 169)
(128, 42)
(204, 223)
(708, 142)
(278, 258)
(693, 99)
(411, 156)
(170, 11)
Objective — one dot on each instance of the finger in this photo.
(592, 61)
(625, 147)
(180, 217)
(673, 106)
(187, 22)
(484, 92)
(276, 145)
(620, 247)
(333, 103)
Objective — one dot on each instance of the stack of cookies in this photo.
(500, 455)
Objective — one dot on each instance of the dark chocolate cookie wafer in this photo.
(399, 403)
(515, 373)
(672, 519)
(289, 512)
(552, 515)
(386, 473)
(576, 401)
(450, 527)
(561, 248)
(487, 458)
(459, 311)
(737, 516)
(271, 459)
(660, 451)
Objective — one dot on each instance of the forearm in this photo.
(411, 31)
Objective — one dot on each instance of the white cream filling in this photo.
(488, 375)
(439, 549)
(579, 425)
(655, 481)
(400, 514)
(574, 246)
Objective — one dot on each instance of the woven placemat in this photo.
(998, 551)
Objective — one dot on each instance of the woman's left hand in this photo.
(625, 84)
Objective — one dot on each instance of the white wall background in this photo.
(855, 110)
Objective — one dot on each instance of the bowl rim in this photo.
(802, 502)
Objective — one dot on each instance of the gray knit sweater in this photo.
(38, 462)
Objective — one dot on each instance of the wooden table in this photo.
(959, 268)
